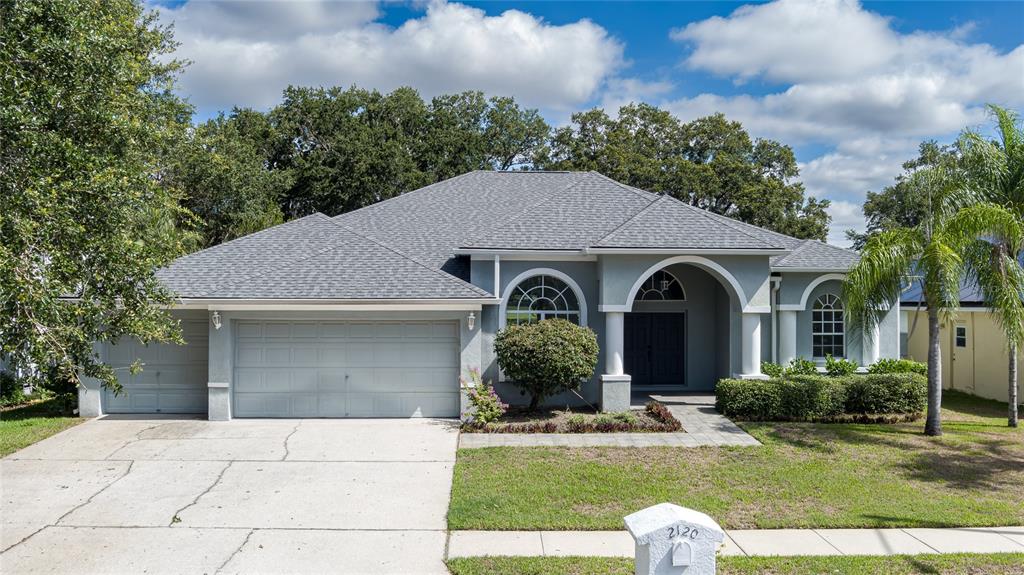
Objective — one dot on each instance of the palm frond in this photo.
(877, 280)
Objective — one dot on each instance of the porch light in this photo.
(216, 320)
(471, 321)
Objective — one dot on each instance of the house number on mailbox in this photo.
(682, 531)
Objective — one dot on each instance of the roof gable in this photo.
(572, 219)
(812, 254)
(668, 223)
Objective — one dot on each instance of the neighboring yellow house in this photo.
(974, 354)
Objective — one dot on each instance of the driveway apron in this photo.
(171, 495)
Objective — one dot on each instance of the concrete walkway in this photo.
(754, 542)
(702, 427)
(171, 495)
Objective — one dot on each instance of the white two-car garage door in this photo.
(346, 369)
(173, 377)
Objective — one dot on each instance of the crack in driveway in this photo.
(176, 518)
(236, 551)
(287, 452)
(72, 510)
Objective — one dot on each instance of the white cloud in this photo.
(853, 83)
(791, 41)
(845, 216)
(245, 53)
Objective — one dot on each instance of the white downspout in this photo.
(497, 276)
(776, 283)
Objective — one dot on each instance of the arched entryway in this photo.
(676, 335)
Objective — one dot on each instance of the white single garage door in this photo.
(173, 377)
(346, 369)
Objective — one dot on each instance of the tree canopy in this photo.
(342, 149)
(901, 204)
(87, 120)
(711, 163)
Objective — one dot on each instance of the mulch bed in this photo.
(655, 418)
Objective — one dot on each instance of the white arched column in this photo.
(615, 384)
(750, 335)
(872, 345)
(787, 336)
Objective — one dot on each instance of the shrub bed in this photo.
(861, 398)
(654, 418)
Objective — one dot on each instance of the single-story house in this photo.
(975, 358)
(379, 311)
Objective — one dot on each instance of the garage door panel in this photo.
(347, 369)
(330, 381)
(173, 377)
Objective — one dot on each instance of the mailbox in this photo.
(674, 540)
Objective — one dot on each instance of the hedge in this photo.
(872, 397)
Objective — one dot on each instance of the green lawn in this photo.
(805, 475)
(965, 564)
(23, 426)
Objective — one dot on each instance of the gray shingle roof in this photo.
(812, 254)
(571, 219)
(405, 247)
(328, 261)
(667, 223)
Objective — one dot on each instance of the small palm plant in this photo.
(933, 254)
(995, 173)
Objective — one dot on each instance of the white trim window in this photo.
(828, 333)
(661, 286)
(542, 297)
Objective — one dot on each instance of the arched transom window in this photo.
(539, 298)
(661, 286)
(829, 335)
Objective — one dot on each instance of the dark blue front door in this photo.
(655, 350)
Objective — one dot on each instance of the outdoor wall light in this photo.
(216, 320)
(471, 321)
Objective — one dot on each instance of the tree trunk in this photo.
(534, 402)
(933, 423)
(1012, 421)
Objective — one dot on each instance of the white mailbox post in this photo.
(674, 540)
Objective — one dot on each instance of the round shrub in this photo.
(546, 358)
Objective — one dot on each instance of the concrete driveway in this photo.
(132, 495)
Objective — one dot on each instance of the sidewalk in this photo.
(748, 542)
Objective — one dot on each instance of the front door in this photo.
(655, 351)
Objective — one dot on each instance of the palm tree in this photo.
(995, 173)
(932, 252)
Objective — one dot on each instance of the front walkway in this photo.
(754, 542)
(702, 427)
(172, 495)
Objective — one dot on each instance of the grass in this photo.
(960, 564)
(804, 475)
(23, 426)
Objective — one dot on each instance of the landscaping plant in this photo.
(546, 358)
(888, 365)
(487, 406)
(868, 398)
(838, 367)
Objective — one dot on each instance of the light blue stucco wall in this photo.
(584, 273)
(751, 273)
(791, 291)
(713, 304)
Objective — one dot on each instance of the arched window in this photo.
(661, 286)
(827, 329)
(542, 297)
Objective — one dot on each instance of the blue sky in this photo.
(852, 87)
